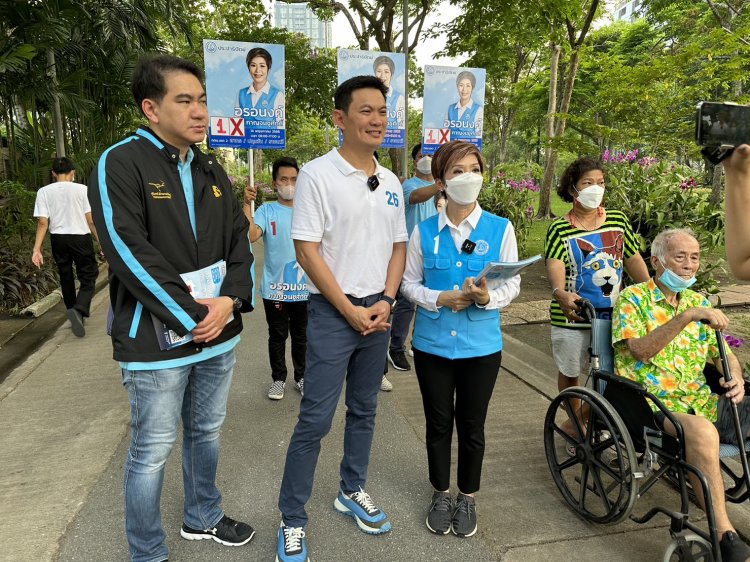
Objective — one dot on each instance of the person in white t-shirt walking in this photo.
(349, 232)
(284, 286)
(63, 208)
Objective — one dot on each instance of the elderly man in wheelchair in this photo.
(666, 422)
(663, 336)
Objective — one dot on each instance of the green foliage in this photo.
(514, 200)
(21, 283)
(660, 195)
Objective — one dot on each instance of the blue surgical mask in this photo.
(674, 282)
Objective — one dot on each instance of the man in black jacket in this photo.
(179, 261)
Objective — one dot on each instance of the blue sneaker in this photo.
(292, 546)
(368, 516)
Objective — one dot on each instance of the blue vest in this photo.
(465, 127)
(474, 331)
(265, 107)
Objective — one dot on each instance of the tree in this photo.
(378, 21)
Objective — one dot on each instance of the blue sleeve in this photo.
(260, 218)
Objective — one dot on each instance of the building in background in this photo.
(628, 10)
(299, 18)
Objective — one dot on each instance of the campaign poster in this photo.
(391, 69)
(453, 106)
(245, 89)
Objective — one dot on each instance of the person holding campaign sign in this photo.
(464, 118)
(457, 340)
(261, 102)
(385, 68)
(284, 286)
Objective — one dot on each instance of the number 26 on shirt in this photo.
(392, 198)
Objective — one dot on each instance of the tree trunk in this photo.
(545, 208)
(57, 114)
(716, 184)
(397, 158)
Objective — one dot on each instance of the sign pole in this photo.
(251, 176)
(405, 32)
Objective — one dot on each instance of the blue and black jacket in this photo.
(141, 216)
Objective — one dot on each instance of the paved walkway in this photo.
(65, 416)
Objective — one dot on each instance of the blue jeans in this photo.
(335, 353)
(197, 393)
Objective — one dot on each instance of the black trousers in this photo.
(456, 390)
(78, 249)
(285, 318)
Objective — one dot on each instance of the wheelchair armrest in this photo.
(617, 379)
(670, 416)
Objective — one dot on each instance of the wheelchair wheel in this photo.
(594, 470)
(689, 547)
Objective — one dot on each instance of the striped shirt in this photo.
(593, 261)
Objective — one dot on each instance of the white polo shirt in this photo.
(65, 204)
(356, 227)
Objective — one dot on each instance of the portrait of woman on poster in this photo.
(385, 68)
(261, 102)
(465, 116)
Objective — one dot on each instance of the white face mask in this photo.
(591, 197)
(464, 188)
(424, 165)
(286, 192)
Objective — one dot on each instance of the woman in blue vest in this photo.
(385, 68)
(261, 104)
(464, 118)
(457, 341)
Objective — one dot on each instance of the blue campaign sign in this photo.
(390, 68)
(453, 106)
(245, 89)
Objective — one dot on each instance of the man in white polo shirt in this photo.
(63, 208)
(350, 235)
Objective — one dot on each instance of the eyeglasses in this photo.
(373, 182)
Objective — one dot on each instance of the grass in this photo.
(535, 240)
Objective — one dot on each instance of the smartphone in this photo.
(720, 127)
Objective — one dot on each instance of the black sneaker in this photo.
(398, 360)
(440, 514)
(227, 532)
(76, 322)
(464, 522)
(732, 548)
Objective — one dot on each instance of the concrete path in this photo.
(65, 416)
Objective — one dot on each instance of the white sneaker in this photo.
(276, 392)
(411, 352)
(386, 385)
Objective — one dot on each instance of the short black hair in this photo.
(573, 174)
(415, 150)
(283, 161)
(258, 52)
(342, 99)
(63, 165)
(148, 76)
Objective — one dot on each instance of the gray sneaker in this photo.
(276, 392)
(464, 523)
(76, 322)
(386, 385)
(440, 514)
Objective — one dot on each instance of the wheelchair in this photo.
(619, 452)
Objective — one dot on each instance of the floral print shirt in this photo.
(675, 374)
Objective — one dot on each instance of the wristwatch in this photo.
(237, 302)
(391, 301)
